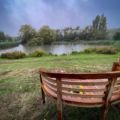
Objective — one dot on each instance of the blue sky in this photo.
(56, 13)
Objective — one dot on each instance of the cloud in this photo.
(84, 0)
(38, 12)
(55, 13)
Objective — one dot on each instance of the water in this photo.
(53, 48)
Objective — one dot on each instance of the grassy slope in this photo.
(19, 86)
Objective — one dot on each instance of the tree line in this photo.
(45, 35)
(7, 41)
(4, 37)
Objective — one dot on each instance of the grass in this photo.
(20, 97)
(113, 43)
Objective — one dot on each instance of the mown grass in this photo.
(20, 97)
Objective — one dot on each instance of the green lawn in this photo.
(19, 87)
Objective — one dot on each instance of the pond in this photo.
(53, 48)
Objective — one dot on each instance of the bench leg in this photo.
(59, 99)
(43, 96)
(42, 92)
(59, 111)
(104, 113)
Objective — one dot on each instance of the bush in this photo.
(50, 54)
(75, 53)
(89, 50)
(13, 55)
(101, 50)
(117, 36)
(106, 50)
(64, 54)
(38, 53)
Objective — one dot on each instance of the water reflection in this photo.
(53, 48)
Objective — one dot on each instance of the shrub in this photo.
(117, 36)
(101, 50)
(64, 54)
(50, 54)
(13, 55)
(106, 50)
(89, 50)
(117, 45)
(75, 53)
(38, 53)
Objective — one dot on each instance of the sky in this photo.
(56, 13)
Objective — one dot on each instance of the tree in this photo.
(59, 35)
(117, 36)
(35, 41)
(103, 26)
(47, 34)
(27, 33)
(96, 23)
(100, 27)
(2, 36)
(77, 28)
(8, 38)
(87, 33)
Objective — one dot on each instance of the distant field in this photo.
(19, 86)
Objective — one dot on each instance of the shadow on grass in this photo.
(28, 106)
(79, 113)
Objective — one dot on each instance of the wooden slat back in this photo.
(117, 87)
(95, 85)
(50, 83)
(89, 88)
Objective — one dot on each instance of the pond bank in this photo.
(62, 47)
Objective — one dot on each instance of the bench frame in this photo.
(112, 77)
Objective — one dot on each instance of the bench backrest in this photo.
(100, 86)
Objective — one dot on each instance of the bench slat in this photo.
(78, 82)
(83, 89)
(117, 86)
(51, 88)
(52, 80)
(71, 88)
(72, 93)
(116, 92)
(83, 95)
(50, 83)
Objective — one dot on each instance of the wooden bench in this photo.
(84, 89)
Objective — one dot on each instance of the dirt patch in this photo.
(5, 73)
